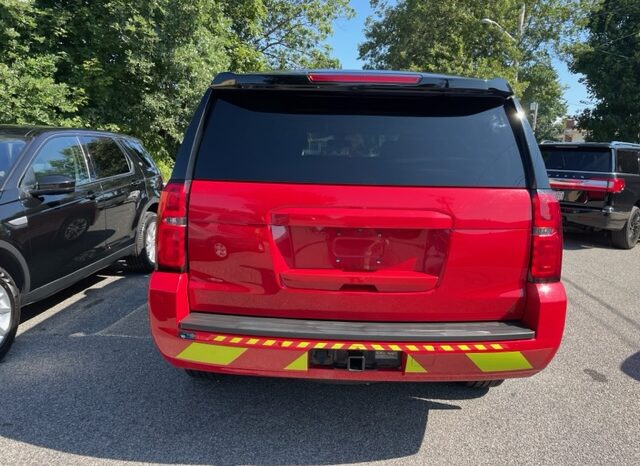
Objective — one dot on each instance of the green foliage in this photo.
(449, 37)
(610, 60)
(29, 92)
(141, 67)
(543, 87)
(283, 34)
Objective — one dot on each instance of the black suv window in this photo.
(60, 156)
(396, 140)
(135, 147)
(10, 149)
(108, 159)
(577, 159)
(628, 162)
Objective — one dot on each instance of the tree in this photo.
(610, 61)
(283, 34)
(29, 92)
(142, 65)
(449, 37)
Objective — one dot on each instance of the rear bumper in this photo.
(444, 358)
(594, 218)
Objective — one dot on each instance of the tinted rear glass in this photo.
(359, 140)
(10, 150)
(585, 160)
(628, 162)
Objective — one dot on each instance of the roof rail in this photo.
(622, 143)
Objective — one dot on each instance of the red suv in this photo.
(378, 226)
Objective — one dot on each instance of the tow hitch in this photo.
(355, 363)
(356, 360)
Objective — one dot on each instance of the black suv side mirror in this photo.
(53, 184)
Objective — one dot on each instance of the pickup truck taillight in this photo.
(546, 250)
(171, 239)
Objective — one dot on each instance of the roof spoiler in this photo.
(360, 79)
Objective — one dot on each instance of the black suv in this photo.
(71, 203)
(598, 185)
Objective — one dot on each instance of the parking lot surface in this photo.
(84, 384)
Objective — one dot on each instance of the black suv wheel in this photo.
(628, 237)
(144, 260)
(9, 311)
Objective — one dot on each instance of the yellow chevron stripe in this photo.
(499, 362)
(413, 366)
(300, 364)
(211, 354)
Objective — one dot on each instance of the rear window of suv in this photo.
(327, 138)
(578, 159)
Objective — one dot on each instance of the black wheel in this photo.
(144, 259)
(202, 375)
(628, 237)
(9, 311)
(483, 383)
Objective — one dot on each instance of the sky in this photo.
(349, 33)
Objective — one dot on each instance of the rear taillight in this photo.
(171, 238)
(606, 185)
(546, 250)
(368, 78)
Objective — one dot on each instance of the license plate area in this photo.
(355, 360)
(559, 195)
(357, 249)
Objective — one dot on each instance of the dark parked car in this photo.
(380, 226)
(598, 185)
(71, 203)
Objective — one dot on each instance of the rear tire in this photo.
(202, 375)
(484, 383)
(144, 259)
(628, 237)
(9, 311)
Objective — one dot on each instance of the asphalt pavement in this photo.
(84, 384)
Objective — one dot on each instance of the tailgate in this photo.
(358, 253)
(579, 174)
(580, 189)
(363, 206)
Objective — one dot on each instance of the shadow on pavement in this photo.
(574, 241)
(82, 287)
(113, 397)
(631, 366)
